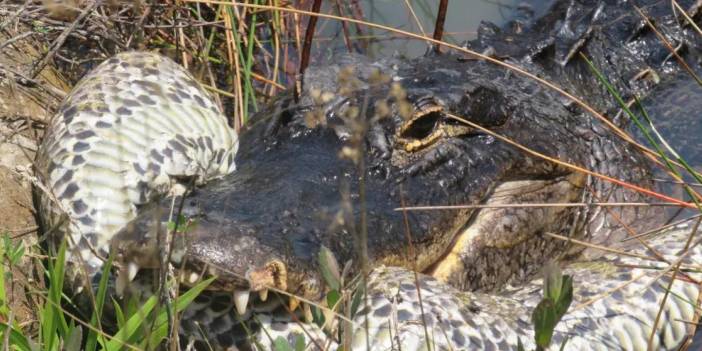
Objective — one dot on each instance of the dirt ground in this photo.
(15, 199)
(16, 216)
(25, 105)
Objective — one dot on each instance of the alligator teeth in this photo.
(263, 294)
(125, 276)
(293, 303)
(132, 269)
(307, 311)
(241, 299)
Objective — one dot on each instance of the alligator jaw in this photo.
(495, 229)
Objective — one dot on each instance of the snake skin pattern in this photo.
(139, 124)
(616, 301)
(615, 307)
(132, 129)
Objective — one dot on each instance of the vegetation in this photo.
(247, 54)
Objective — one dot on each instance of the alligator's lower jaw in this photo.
(500, 228)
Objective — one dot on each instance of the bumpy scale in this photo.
(132, 129)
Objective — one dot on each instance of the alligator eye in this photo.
(423, 128)
(420, 127)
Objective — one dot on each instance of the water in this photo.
(462, 20)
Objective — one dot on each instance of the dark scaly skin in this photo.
(283, 159)
(282, 203)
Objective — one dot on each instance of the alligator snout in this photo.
(204, 248)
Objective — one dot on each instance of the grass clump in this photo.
(141, 325)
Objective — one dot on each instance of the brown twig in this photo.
(16, 38)
(344, 27)
(357, 12)
(56, 45)
(307, 46)
(29, 82)
(439, 26)
(669, 45)
(540, 204)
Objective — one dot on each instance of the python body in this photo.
(139, 125)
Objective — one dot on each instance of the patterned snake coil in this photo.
(139, 125)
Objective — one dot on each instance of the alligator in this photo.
(329, 168)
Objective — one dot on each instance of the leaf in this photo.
(558, 295)
(280, 344)
(119, 315)
(318, 316)
(333, 298)
(300, 343)
(180, 221)
(132, 325)
(357, 299)
(16, 338)
(160, 329)
(17, 253)
(553, 281)
(566, 296)
(52, 320)
(4, 309)
(330, 268)
(74, 339)
(91, 341)
(544, 319)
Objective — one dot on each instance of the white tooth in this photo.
(193, 278)
(132, 269)
(263, 294)
(307, 313)
(241, 299)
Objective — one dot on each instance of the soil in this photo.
(25, 104)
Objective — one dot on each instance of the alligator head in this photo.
(366, 138)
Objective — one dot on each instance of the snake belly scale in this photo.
(134, 128)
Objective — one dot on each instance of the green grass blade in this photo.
(4, 310)
(53, 323)
(74, 338)
(160, 331)
(646, 132)
(132, 325)
(16, 338)
(246, 71)
(91, 341)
